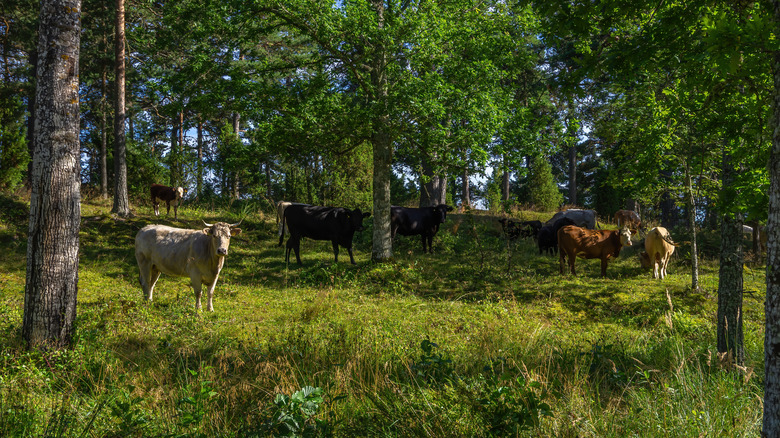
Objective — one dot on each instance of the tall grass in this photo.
(482, 338)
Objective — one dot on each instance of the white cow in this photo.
(581, 218)
(659, 248)
(198, 254)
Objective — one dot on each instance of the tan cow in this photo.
(198, 254)
(576, 242)
(659, 248)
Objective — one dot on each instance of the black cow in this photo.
(336, 224)
(424, 221)
(547, 239)
(514, 229)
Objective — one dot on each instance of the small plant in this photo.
(433, 367)
(132, 419)
(192, 408)
(294, 415)
(511, 406)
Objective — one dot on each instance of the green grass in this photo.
(517, 349)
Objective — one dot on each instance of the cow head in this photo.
(355, 218)
(441, 212)
(625, 236)
(644, 259)
(220, 233)
(179, 193)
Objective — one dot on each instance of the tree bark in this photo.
(466, 201)
(730, 333)
(103, 138)
(433, 192)
(771, 426)
(573, 175)
(199, 179)
(382, 147)
(121, 201)
(55, 212)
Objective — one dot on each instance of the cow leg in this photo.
(561, 260)
(144, 275)
(168, 204)
(664, 261)
(176, 210)
(422, 237)
(335, 251)
(294, 243)
(154, 275)
(656, 267)
(156, 206)
(430, 243)
(572, 258)
(604, 267)
(197, 287)
(351, 258)
(210, 291)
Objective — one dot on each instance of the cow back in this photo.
(589, 243)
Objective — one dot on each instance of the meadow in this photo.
(482, 338)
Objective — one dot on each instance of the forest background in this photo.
(663, 108)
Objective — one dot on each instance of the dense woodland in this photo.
(519, 108)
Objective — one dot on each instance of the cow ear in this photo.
(207, 231)
(234, 231)
(448, 208)
(367, 214)
(633, 231)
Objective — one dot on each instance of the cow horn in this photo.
(236, 224)
(206, 223)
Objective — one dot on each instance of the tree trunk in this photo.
(505, 182)
(382, 146)
(433, 192)
(771, 426)
(51, 286)
(730, 337)
(692, 224)
(268, 179)
(121, 202)
(103, 137)
(466, 201)
(730, 334)
(234, 192)
(199, 179)
(573, 175)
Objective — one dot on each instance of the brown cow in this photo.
(627, 218)
(659, 248)
(198, 254)
(167, 194)
(576, 242)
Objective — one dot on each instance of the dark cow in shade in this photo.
(280, 207)
(197, 254)
(514, 229)
(167, 194)
(547, 238)
(627, 218)
(576, 242)
(336, 224)
(424, 221)
(581, 218)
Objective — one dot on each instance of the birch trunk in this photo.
(55, 212)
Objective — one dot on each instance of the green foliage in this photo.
(14, 155)
(511, 404)
(295, 415)
(432, 367)
(544, 192)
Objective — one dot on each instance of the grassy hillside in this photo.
(481, 338)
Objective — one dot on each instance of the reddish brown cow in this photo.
(627, 218)
(167, 194)
(576, 242)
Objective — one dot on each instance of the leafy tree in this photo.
(544, 192)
